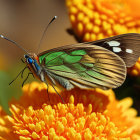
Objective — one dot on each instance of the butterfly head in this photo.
(32, 62)
(29, 60)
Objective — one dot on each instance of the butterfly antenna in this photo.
(13, 43)
(55, 17)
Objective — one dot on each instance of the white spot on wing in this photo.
(113, 43)
(129, 51)
(116, 49)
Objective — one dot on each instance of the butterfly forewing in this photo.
(127, 46)
(84, 65)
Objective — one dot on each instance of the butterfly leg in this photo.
(23, 72)
(58, 93)
(17, 76)
(22, 60)
(47, 91)
(27, 78)
(53, 83)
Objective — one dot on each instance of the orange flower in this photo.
(97, 19)
(86, 114)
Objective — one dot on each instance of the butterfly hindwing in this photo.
(84, 65)
(127, 46)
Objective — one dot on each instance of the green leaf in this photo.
(5, 91)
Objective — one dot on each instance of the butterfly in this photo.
(97, 64)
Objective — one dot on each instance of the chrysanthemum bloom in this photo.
(97, 19)
(85, 115)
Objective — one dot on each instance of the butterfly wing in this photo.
(127, 46)
(83, 65)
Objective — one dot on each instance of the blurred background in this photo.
(24, 22)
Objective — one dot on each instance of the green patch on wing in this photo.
(60, 58)
(62, 68)
(41, 58)
(96, 74)
(68, 59)
(78, 67)
(78, 52)
(90, 65)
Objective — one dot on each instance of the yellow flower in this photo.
(86, 115)
(97, 19)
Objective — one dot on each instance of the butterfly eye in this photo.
(26, 56)
(29, 60)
